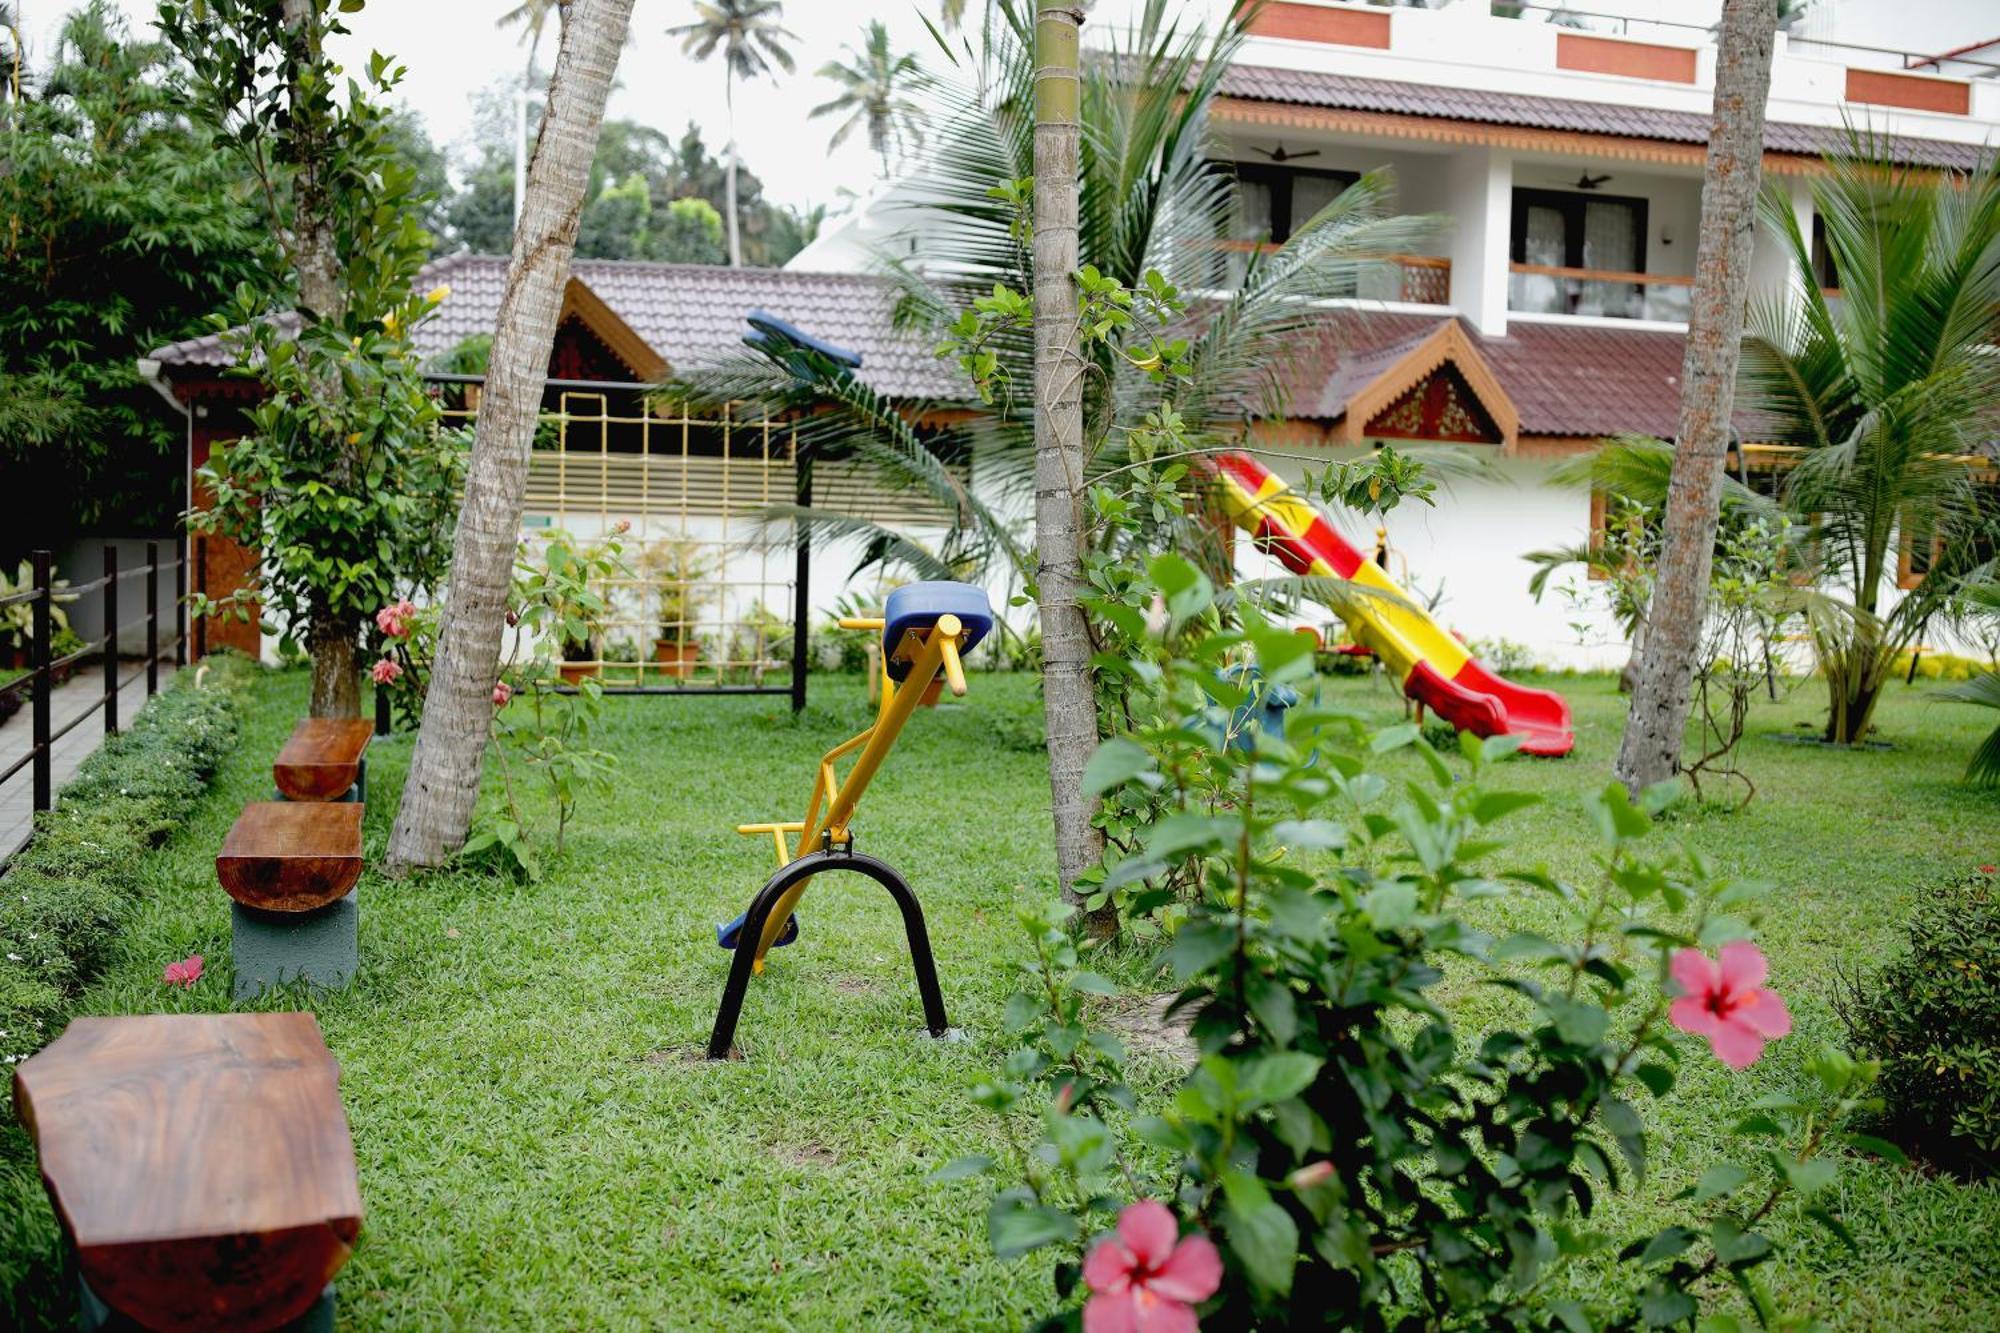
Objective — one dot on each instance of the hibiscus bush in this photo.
(544, 725)
(1348, 1149)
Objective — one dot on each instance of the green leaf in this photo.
(1260, 1233)
(1198, 946)
(1273, 1078)
(1810, 1176)
(1391, 906)
(1090, 983)
(1718, 1181)
(1117, 760)
(1663, 1306)
(1668, 1244)
(958, 1168)
(1017, 1223)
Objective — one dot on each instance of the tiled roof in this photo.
(1564, 379)
(1263, 83)
(691, 314)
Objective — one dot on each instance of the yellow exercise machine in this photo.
(925, 628)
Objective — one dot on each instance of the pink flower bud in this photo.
(386, 671)
(1311, 1174)
(502, 692)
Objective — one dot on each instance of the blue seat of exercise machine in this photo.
(918, 606)
(729, 932)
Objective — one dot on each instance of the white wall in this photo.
(1475, 542)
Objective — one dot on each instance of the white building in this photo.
(1551, 315)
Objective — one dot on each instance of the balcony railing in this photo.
(1416, 279)
(1550, 289)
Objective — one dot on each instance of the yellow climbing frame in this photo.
(933, 657)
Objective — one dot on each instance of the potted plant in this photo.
(679, 569)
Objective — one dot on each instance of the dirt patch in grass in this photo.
(1142, 1023)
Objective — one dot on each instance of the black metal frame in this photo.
(832, 860)
(40, 679)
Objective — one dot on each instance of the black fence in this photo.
(45, 672)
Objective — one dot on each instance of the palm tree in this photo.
(1148, 199)
(1982, 598)
(872, 93)
(1885, 392)
(1650, 750)
(443, 784)
(533, 16)
(751, 41)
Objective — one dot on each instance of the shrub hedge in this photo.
(1932, 1016)
(65, 893)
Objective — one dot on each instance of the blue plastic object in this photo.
(768, 332)
(918, 606)
(727, 933)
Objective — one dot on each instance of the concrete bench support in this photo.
(291, 868)
(321, 948)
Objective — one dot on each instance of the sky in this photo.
(455, 51)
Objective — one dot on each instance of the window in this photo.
(1272, 201)
(1557, 229)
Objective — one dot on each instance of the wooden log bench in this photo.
(291, 869)
(325, 759)
(200, 1164)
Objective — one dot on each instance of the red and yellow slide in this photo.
(1434, 668)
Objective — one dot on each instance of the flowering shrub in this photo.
(539, 723)
(1358, 1158)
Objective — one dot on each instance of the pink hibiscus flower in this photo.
(1146, 1278)
(394, 620)
(184, 973)
(1727, 1003)
(385, 671)
(502, 692)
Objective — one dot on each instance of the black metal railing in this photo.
(46, 671)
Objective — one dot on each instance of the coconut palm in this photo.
(874, 84)
(751, 40)
(1149, 200)
(1886, 392)
(533, 16)
(1982, 598)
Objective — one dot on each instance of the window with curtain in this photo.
(1581, 230)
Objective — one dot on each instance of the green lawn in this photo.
(541, 1145)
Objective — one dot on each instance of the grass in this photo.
(540, 1144)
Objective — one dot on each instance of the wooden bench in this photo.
(323, 759)
(285, 857)
(200, 1164)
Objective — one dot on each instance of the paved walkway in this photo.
(17, 737)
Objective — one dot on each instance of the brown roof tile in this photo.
(1263, 83)
(691, 314)
(1564, 379)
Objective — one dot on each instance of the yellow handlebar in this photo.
(954, 671)
(861, 622)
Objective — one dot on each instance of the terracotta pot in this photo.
(572, 672)
(679, 658)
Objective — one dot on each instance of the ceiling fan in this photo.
(1279, 154)
(1589, 182)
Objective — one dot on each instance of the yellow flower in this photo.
(389, 321)
(354, 438)
(437, 294)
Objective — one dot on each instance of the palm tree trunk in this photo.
(729, 170)
(1661, 697)
(1068, 698)
(331, 641)
(444, 776)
